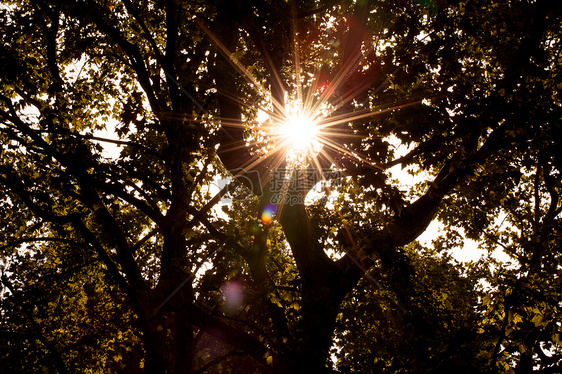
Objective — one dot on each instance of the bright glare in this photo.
(299, 132)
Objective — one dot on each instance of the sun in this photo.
(295, 131)
(299, 132)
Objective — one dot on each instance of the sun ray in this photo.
(300, 128)
(337, 81)
(361, 114)
(296, 52)
(309, 100)
(347, 152)
(261, 90)
(318, 166)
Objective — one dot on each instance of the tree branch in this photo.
(172, 15)
(42, 239)
(112, 268)
(147, 35)
(57, 357)
(303, 13)
(99, 16)
(229, 335)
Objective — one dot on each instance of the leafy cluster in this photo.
(141, 229)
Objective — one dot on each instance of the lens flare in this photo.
(233, 293)
(267, 214)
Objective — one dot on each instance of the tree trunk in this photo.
(184, 343)
(168, 326)
(168, 343)
(319, 312)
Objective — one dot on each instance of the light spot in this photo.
(233, 295)
(267, 214)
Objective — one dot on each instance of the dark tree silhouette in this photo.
(120, 254)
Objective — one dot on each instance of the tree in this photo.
(134, 263)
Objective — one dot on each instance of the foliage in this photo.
(144, 227)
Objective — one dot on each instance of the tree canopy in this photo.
(221, 186)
